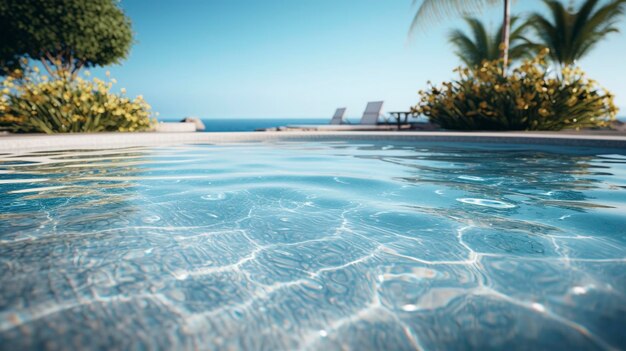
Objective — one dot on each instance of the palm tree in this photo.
(571, 34)
(481, 45)
(434, 9)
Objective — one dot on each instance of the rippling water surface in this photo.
(325, 245)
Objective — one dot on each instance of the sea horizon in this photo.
(250, 124)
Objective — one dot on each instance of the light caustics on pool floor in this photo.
(326, 245)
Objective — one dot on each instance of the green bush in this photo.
(31, 103)
(528, 98)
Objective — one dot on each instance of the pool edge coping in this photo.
(36, 142)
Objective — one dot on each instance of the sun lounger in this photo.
(369, 121)
(371, 113)
(338, 117)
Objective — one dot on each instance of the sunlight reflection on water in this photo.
(301, 245)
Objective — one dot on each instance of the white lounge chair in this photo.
(371, 113)
(338, 117)
(369, 121)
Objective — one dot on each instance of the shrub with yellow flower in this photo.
(32, 103)
(528, 98)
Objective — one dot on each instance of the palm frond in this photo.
(431, 11)
(569, 34)
(466, 49)
(481, 45)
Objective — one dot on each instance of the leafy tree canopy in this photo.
(65, 35)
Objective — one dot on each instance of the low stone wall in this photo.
(179, 127)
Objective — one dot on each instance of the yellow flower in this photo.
(521, 104)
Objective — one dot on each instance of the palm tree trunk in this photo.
(506, 34)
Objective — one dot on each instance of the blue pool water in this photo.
(314, 245)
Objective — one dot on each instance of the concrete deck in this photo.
(36, 142)
(342, 128)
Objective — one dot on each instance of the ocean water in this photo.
(252, 124)
(314, 245)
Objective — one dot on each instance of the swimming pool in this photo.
(314, 245)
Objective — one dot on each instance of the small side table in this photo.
(402, 117)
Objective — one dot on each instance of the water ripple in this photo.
(313, 245)
(486, 203)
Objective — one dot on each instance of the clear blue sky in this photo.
(300, 58)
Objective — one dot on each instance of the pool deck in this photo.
(38, 142)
